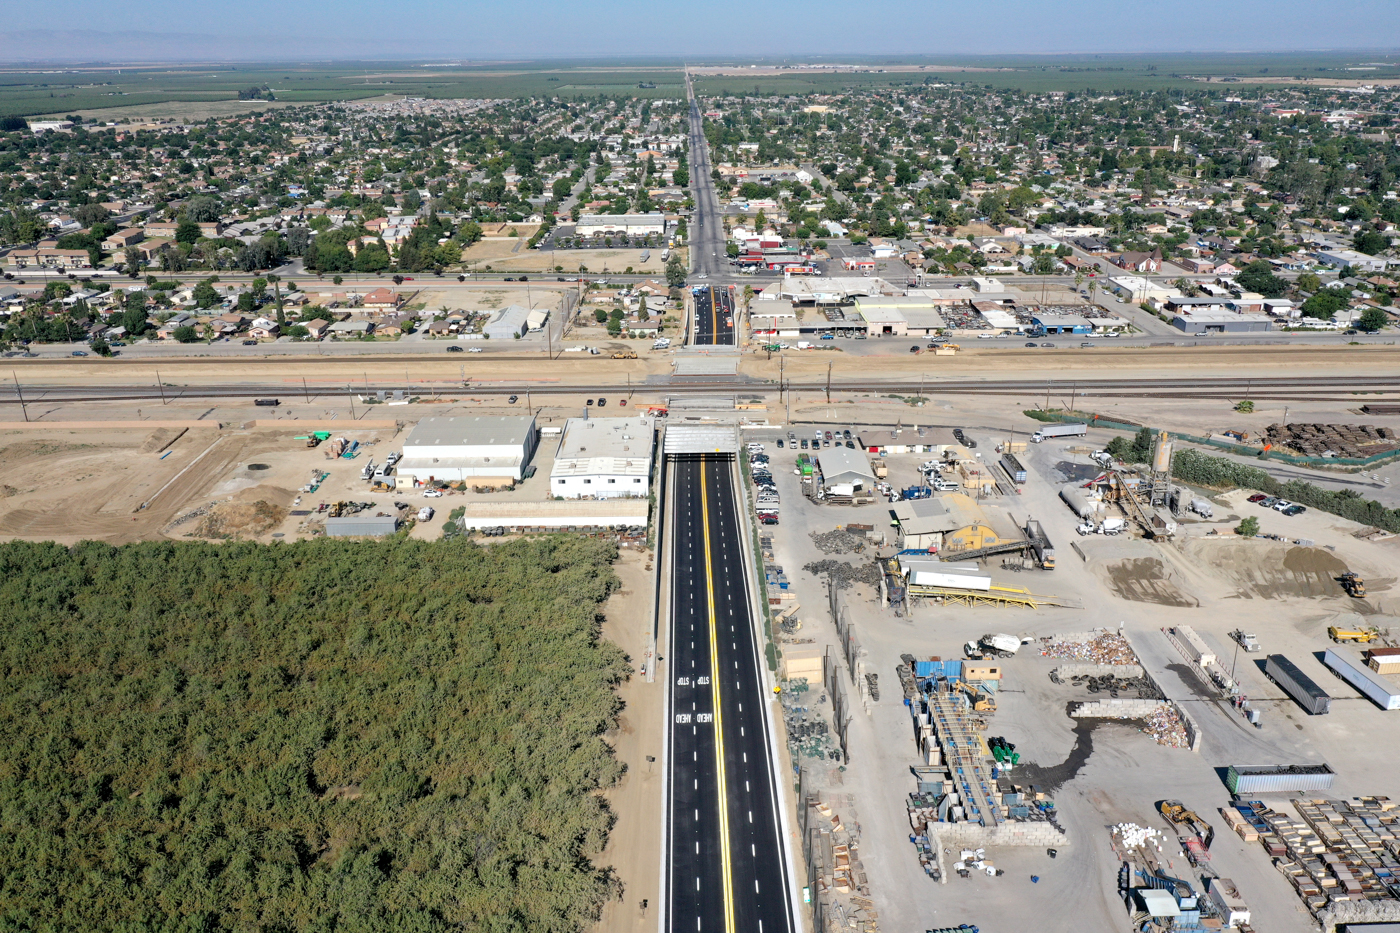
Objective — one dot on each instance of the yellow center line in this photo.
(727, 871)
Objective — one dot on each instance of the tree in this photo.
(1309, 282)
(1370, 242)
(1372, 320)
(131, 258)
(100, 347)
(205, 295)
(675, 272)
(277, 297)
(1323, 304)
(412, 201)
(1259, 277)
(185, 334)
(187, 231)
(1248, 528)
(134, 316)
(203, 209)
(642, 309)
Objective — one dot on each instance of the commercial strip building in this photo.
(470, 448)
(629, 224)
(553, 515)
(604, 458)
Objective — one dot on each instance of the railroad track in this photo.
(1292, 388)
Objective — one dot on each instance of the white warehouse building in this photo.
(469, 447)
(604, 458)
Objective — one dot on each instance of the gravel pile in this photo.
(838, 542)
(843, 573)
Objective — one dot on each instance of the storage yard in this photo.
(1097, 713)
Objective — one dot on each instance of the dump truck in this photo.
(1361, 636)
(1040, 544)
(1353, 584)
(625, 355)
(992, 646)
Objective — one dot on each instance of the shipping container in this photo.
(1196, 643)
(1013, 468)
(1278, 779)
(1384, 660)
(1297, 685)
(1372, 685)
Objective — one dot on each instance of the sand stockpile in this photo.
(240, 519)
(1146, 580)
(1270, 570)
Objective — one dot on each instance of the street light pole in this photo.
(24, 408)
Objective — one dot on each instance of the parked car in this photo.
(1268, 502)
(780, 443)
(1281, 504)
(804, 443)
(246, 343)
(588, 402)
(433, 493)
(454, 349)
(1032, 344)
(958, 433)
(473, 349)
(1294, 510)
(513, 399)
(1050, 345)
(1258, 497)
(768, 519)
(602, 402)
(80, 353)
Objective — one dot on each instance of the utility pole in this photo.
(305, 391)
(828, 383)
(22, 406)
(160, 385)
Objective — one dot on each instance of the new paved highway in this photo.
(706, 234)
(714, 316)
(726, 870)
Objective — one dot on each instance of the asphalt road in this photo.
(706, 233)
(726, 869)
(714, 316)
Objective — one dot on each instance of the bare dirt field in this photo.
(180, 111)
(505, 254)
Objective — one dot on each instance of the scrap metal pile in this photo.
(1337, 440)
(1108, 648)
(838, 541)
(844, 574)
(1166, 727)
(808, 734)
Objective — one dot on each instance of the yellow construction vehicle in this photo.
(1353, 584)
(1176, 813)
(981, 702)
(625, 355)
(1360, 636)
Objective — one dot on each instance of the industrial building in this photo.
(946, 523)
(469, 448)
(629, 224)
(552, 515)
(1211, 320)
(604, 458)
(842, 466)
(509, 323)
(351, 526)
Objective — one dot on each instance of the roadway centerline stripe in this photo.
(726, 869)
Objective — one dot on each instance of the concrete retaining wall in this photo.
(975, 835)
(1193, 731)
(1076, 637)
(1066, 671)
(1117, 709)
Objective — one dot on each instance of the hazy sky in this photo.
(309, 29)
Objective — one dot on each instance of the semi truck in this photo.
(1076, 429)
(1298, 685)
(1372, 685)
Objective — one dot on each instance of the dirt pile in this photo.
(240, 519)
(161, 438)
(7, 491)
(1146, 580)
(1271, 571)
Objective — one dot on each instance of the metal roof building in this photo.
(466, 447)
(841, 465)
(510, 322)
(604, 458)
(351, 526)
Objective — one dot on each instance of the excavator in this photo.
(981, 702)
(1195, 834)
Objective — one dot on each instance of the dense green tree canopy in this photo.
(330, 735)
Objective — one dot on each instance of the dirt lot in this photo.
(122, 483)
(509, 254)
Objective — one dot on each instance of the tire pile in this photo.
(838, 542)
(1141, 687)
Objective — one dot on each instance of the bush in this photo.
(1245, 408)
(1248, 528)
